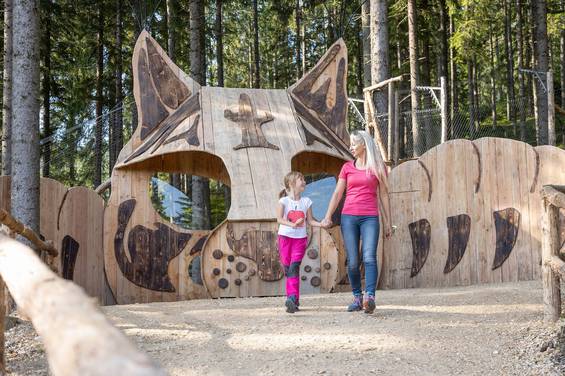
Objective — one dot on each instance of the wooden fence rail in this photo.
(78, 338)
(553, 267)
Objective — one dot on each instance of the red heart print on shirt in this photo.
(294, 215)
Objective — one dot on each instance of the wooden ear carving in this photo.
(160, 87)
(322, 95)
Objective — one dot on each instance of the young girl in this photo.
(292, 213)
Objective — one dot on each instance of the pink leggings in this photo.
(292, 251)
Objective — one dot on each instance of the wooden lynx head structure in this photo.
(247, 139)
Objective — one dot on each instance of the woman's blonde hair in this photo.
(289, 180)
(374, 163)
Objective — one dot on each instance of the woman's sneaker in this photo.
(357, 304)
(369, 304)
(290, 304)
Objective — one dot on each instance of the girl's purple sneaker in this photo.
(357, 304)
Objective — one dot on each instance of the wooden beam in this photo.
(2, 321)
(103, 187)
(78, 338)
(382, 84)
(371, 122)
(19, 228)
(554, 194)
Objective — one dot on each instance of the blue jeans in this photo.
(364, 228)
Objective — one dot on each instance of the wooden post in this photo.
(550, 109)
(550, 247)
(78, 338)
(391, 121)
(444, 109)
(396, 130)
(370, 120)
(2, 321)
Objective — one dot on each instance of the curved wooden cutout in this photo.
(150, 251)
(507, 224)
(169, 87)
(421, 233)
(69, 253)
(459, 228)
(152, 110)
(251, 133)
(260, 247)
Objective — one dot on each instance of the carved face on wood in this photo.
(247, 139)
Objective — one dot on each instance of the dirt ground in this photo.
(480, 330)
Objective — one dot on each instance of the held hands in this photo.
(298, 223)
(326, 223)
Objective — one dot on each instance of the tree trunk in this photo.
(453, 85)
(298, 14)
(379, 51)
(492, 78)
(200, 186)
(413, 46)
(539, 15)
(511, 100)
(562, 58)
(171, 22)
(428, 137)
(521, 102)
(359, 57)
(471, 99)
(7, 91)
(257, 80)
(25, 114)
(117, 133)
(444, 53)
(47, 89)
(99, 100)
(219, 32)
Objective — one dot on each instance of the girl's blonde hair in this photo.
(289, 180)
(374, 163)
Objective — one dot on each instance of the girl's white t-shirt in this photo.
(294, 210)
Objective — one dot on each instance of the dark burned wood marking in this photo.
(150, 251)
(316, 281)
(251, 133)
(304, 278)
(261, 247)
(507, 224)
(307, 268)
(223, 283)
(231, 258)
(429, 179)
(69, 253)
(191, 136)
(333, 139)
(152, 110)
(170, 88)
(480, 172)
(188, 108)
(327, 266)
(61, 209)
(308, 137)
(240, 267)
(459, 228)
(216, 271)
(334, 117)
(237, 282)
(312, 253)
(536, 173)
(420, 232)
(217, 254)
(197, 247)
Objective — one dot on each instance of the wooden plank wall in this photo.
(478, 205)
(73, 220)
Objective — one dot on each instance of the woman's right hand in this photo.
(326, 222)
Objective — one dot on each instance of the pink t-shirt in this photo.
(361, 194)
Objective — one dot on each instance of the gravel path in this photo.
(479, 330)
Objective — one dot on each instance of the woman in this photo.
(365, 182)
